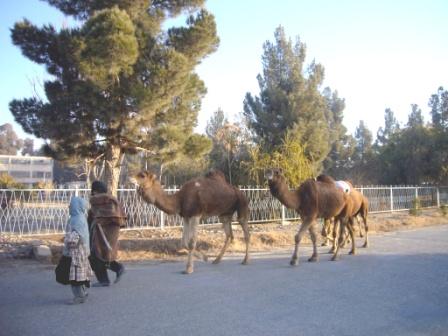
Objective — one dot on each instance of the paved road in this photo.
(397, 287)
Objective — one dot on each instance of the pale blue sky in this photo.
(377, 54)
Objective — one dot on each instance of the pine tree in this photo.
(121, 82)
(439, 109)
(339, 159)
(363, 155)
(391, 126)
(290, 100)
(415, 118)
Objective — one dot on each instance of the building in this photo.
(27, 169)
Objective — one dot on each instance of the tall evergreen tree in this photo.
(415, 118)
(439, 109)
(121, 83)
(439, 115)
(290, 99)
(363, 138)
(339, 159)
(391, 126)
(363, 155)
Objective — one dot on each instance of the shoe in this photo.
(101, 284)
(120, 272)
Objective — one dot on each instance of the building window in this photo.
(48, 175)
(21, 161)
(38, 174)
(41, 162)
(20, 174)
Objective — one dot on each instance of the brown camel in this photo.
(359, 206)
(205, 196)
(313, 199)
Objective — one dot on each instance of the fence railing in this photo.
(38, 211)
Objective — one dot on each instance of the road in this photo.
(399, 286)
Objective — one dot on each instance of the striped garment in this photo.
(80, 268)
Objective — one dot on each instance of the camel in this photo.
(359, 206)
(205, 196)
(313, 199)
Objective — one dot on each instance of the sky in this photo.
(377, 54)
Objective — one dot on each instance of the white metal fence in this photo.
(36, 211)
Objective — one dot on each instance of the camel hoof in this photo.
(216, 261)
(294, 262)
(352, 252)
(313, 259)
(324, 244)
(188, 271)
(334, 258)
(366, 245)
(245, 262)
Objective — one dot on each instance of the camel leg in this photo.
(336, 225)
(227, 226)
(295, 259)
(313, 234)
(360, 227)
(246, 233)
(366, 228)
(190, 227)
(351, 231)
(326, 232)
(342, 224)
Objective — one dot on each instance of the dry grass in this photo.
(164, 245)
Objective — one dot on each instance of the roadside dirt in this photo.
(155, 244)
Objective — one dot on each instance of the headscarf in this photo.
(78, 220)
(99, 187)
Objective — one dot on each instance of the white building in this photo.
(27, 169)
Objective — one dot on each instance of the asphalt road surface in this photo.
(399, 286)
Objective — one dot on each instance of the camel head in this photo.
(274, 175)
(146, 183)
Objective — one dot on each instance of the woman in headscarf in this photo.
(77, 246)
(105, 218)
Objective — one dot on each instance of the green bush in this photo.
(444, 209)
(416, 208)
(8, 182)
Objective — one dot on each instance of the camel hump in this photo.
(325, 179)
(344, 186)
(215, 173)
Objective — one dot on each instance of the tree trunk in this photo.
(112, 168)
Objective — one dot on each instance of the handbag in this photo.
(62, 270)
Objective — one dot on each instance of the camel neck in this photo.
(288, 198)
(167, 202)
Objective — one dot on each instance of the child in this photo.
(76, 246)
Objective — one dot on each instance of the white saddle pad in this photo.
(343, 185)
